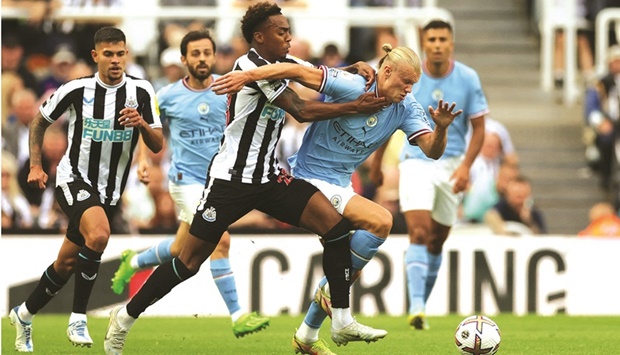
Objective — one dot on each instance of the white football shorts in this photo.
(338, 196)
(186, 198)
(426, 185)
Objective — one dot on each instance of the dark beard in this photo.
(193, 72)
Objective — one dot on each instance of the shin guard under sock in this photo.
(86, 270)
(337, 263)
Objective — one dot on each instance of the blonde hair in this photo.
(401, 57)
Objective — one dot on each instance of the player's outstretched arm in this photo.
(434, 144)
(234, 81)
(308, 111)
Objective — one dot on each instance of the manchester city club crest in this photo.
(131, 102)
(203, 108)
(371, 121)
(437, 94)
(336, 200)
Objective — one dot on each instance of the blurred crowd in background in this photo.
(39, 54)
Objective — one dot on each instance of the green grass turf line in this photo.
(559, 335)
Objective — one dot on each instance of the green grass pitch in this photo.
(203, 335)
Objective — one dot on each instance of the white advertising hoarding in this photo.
(278, 274)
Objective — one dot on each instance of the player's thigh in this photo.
(75, 199)
(186, 198)
(368, 215)
(222, 203)
(445, 209)
(299, 203)
(338, 196)
(416, 187)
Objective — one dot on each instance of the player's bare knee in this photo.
(97, 238)
(175, 249)
(419, 235)
(383, 223)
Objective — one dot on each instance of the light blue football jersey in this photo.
(331, 150)
(462, 86)
(197, 119)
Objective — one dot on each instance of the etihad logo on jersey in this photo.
(101, 131)
(348, 141)
(273, 113)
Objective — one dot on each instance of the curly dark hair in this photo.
(256, 15)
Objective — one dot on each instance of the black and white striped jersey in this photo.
(100, 149)
(253, 125)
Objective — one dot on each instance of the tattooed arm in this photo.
(37, 177)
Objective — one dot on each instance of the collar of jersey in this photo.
(110, 86)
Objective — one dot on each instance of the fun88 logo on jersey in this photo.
(101, 131)
(273, 113)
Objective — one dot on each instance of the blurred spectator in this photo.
(11, 83)
(80, 70)
(486, 191)
(246, 3)
(133, 68)
(584, 45)
(386, 195)
(47, 213)
(149, 208)
(15, 132)
(383, 36)
(15, 208)
(602, 111)
(515, 213)
(332, 57)
(165, 217)
(171, 66)
(290, 141)
(227, 54)
(362, 38)
(603, 221)
(508, 152)
(61, 64)
(13, 61)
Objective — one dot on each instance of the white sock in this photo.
(341, 317)
(306, 334)
(24, 314)
(236, 315)
(77, 317)
(124, 319)
(134, 262)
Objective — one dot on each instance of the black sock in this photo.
(48, 286)
(163, 279)
(337, 263)
(86, 269)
